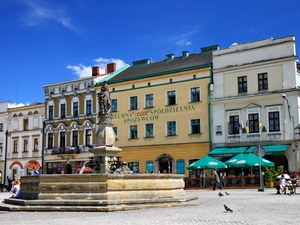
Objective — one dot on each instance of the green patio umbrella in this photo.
(234, 159)
(249, 160)
(206, 162)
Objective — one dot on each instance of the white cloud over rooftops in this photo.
(15, 105)
(84, 71)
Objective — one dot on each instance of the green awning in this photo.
(229, 152)
(272, 149)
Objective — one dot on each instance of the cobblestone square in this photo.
(249, 206)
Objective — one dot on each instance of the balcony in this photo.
(66, 150)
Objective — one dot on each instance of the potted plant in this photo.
(271, 174)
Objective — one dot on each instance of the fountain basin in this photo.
(101, 186)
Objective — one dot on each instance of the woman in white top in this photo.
(16, 189)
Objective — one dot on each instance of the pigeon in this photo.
(227, 193)
(228, 209)
(220, 194)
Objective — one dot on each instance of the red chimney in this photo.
(111, 67)
(95, 70)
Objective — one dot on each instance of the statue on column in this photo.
(104, 99)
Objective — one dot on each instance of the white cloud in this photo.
(81, 70)
(15, 105)
(85, 71)
(38, 13)
(182, 39)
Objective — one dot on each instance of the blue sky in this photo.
(49, 41)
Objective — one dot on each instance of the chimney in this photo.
(95, 71)
(169, 57)
(111, 67)
(210, 48)
(185, 54)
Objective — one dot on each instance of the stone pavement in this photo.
(249, 206)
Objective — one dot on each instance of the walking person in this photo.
(217, 181)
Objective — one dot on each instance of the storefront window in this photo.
(134, 166)
(54, 168)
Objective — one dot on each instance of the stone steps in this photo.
(96, 205)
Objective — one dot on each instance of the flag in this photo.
(242, 125)
(247, 125)
(260, 124)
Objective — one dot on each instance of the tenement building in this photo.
(256, 101)
(70, 122)
(3, 140)
(24, 143)
(160, 111)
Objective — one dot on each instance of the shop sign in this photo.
(150, 115)
(21, 172)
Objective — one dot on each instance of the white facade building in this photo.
(255, 100)
(3, 140)
(25, 138)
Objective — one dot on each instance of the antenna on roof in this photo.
(17, 92)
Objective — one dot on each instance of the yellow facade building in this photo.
(161, 112)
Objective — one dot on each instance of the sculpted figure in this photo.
(104, 99)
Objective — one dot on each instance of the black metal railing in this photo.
(67, 150)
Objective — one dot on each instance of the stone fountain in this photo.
(102, 190)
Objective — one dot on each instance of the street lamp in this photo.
(284, 97)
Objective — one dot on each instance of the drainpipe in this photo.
(43, 137)
(209, 105)
(5, 155)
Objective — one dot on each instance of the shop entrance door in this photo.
(68, 169)
(165, 164)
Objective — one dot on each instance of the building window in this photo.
(114, 105)
(89, 107)
(51, 112)
(234, 125)
(242, 83)
(133, 132)
(25, 147)
(54, 168)
(171, 128)
(134, 166)
(253, 123)
(195, 94)
(195, 126)
(133, 103)
(1, 148)
(62, 142)
(16, 146)
(274, 124)
(25, 124)
(36, 144)
(63, 110)
(88, 137)
(262, 81)
(149, 130)
(75, 138)
(50, 140)
(116, 132)
(171, 97)
(75, 109)
(149, 166)
(1, 127)
(180, 166)
(149, 101)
